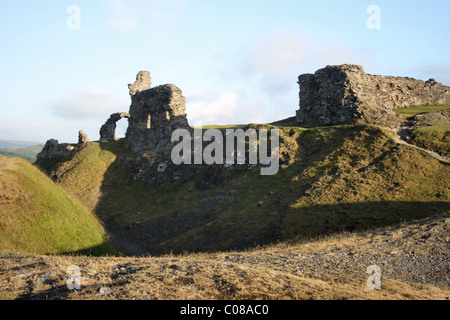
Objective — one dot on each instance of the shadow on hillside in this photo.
(324, 220)
(191, 220)
(106, 248)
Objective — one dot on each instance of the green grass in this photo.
(83, 173)
(332, 179)
(416, 110)
(37, 216)
(435, 138)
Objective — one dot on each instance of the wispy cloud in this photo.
(438, 71)
(225, 107)
(212, 109)
(87, 103)
(123, 16)
(132, 15)
(280, 56)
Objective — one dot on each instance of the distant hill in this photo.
(15, 144)
(37, 216)
(27, 153)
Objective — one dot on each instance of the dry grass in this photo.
(276, 272)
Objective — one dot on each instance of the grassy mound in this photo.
(37, 216)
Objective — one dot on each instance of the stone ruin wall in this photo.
(108, 130)
(331, 95)
(340, 93)
(154, 114)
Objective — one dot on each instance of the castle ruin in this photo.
(336, 94)
(331, 95)
(154, 114)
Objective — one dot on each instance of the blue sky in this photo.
(236, 61)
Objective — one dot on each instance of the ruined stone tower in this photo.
(154, 114)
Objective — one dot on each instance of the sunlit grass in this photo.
(416, 110)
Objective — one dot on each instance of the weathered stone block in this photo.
(143, 82)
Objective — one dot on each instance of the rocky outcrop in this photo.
(108, 130)
(54, 149)
(337, 94)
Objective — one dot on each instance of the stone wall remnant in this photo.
(82, 137)
(143, 82)
(108, 130)
(154, 114)
(54, 149)
(340, 93)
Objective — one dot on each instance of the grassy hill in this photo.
(332, 179)
(346, 197)
(433, 127)
(37, 216)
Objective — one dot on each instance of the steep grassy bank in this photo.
(37, 216)
(435, 138)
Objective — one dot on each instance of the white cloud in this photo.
(86, 103)
(123, 16)
(213, 111)
(439, 71)
(64, 132)
(280, 56)
(131, 15)
(229, 107)
(124, 23)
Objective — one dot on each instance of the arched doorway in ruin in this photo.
(108, 130)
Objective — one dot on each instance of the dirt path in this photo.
(398, 139)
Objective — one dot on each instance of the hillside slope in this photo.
(37, 216)
(332, 179)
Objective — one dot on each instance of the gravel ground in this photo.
(416, 254)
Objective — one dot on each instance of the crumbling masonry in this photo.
(337, 94)
(331, 95)
(154, 114)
